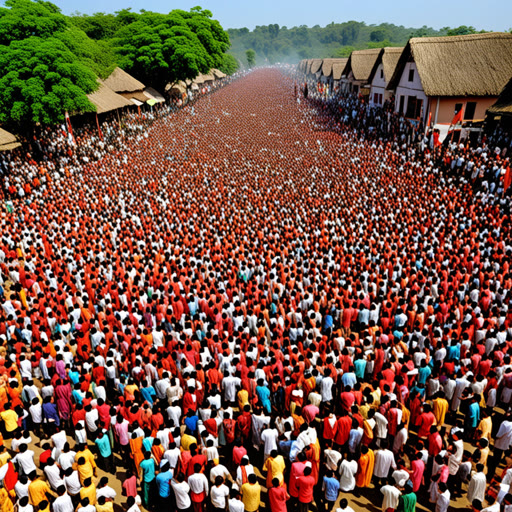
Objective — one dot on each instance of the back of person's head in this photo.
(252, 478)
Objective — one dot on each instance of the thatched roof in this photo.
(8, 141)
(121, 81)
(361, 63)
(472, 65)
(389, 58)
(135, 95)
(153, 94)
(327, 67)
(503, 105)
(316, 65)
(209, 77)
(338, 67)
(218, 74)
(106, 99)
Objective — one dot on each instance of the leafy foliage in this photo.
(167, 48)
(251, 57)
(40, 80)
(229, 64)
(281, 44)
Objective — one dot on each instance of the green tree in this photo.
(229, 64)
(462, 31)
(40, 80)
(167, 48)
(251, 57)
(377, 36)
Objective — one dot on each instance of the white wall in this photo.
(414, 88)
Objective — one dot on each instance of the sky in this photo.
(482, 14)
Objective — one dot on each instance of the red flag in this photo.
(429, 118)
(507, 180)
(458, 117)
(70, 128)
(436, 139)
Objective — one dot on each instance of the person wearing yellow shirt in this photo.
(187, 440)
(251, 494)
(4, 456)
(85, 470)
(440, 408)
(485, 426)
(243, 398)
(6, 504)
(103, 505)
(274, 466)
(10, 419)
(83, 451)
(38, 490)
(88, 491)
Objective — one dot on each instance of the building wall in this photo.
(447, 107)
(377, 90)
(409, 89)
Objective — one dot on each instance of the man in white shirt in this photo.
(269, 438)
(443, 498)
(218, 494)
(477, 485)
(63, 502)
(198, 482)
(384, 460)
(52, 473)
(25, 460)
(391, 496)
(181, 492)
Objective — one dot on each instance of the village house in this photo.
(381, 74)
(357, 71)
(436, 77)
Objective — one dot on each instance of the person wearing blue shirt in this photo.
(473, 417)
(331, 488)
(264, 395)
(148, 469)
(105, 460)
(191, 421)
(360, 367)
(349, 378)
(424, 372)
(148, 393)
(163, 484)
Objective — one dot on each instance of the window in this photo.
(402, 101)
(458, 106)
(411, 107)
(381, 72)
(411, 75)
(469, 113)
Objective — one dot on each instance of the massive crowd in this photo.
(256, 300)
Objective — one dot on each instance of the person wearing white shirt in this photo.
(391, 496)
(21, 487)
(25, 460)
(198, 482)
(235, 504)
(443, 498)
(63, 502)
(384, 461)
(348, 470)
(269, 438)
(181, 492)
(52, 473)
(477, 485)
(72, 483)
(218, 494)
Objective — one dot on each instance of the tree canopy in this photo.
(273, 43)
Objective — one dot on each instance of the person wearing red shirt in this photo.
(305, 486)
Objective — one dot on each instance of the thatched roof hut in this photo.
(218, 74)
(8, 141)
(316, 66)
(121, 82)
(361, 63)
(472, 65)
(337, 68)
(152, 94)
(503, 105)
(389, 58)
(106, 99)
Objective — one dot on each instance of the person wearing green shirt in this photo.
(147, 477)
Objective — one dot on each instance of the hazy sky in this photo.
(482, 14)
